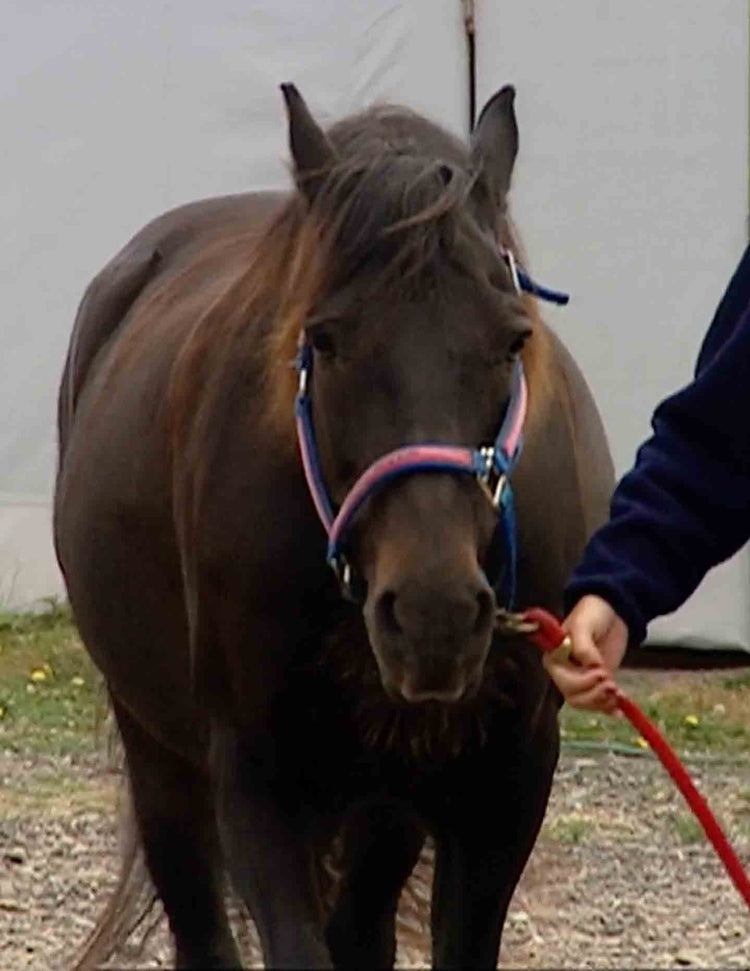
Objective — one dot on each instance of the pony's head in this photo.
(414, 334)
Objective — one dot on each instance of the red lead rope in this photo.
(549, 636)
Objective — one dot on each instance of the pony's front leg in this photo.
(262, 830)
(482, 846)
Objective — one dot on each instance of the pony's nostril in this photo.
(485, 618)
(386, 611)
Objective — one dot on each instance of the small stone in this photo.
(17, 854)
(10, 906)
(685, 958)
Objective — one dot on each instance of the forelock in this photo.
(396, 196)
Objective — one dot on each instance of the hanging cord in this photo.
(546, 633)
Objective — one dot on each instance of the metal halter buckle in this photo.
(342, 569)
(508, 622)
(483, 478)
(488, 455)
(344, 573)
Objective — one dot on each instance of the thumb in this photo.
(583, 649)
(588, 626)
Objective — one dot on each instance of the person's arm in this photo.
(683, 508)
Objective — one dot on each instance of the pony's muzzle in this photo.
(430, 640)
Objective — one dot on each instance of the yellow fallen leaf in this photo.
(692, 720)
(641, 742)
(77, 681)
(38, 674)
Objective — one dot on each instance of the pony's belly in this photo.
(124, 584)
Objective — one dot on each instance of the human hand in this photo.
(599, 638)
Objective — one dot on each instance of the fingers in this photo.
(583, 650)
(598, 638)
(572, 680)
(592, 689)
(602, 697)
(598, 634)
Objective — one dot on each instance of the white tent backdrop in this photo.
(631, 186)
(631, 192)
(113, 112)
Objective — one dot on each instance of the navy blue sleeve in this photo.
(685, 505)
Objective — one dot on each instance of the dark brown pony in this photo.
(264, 717)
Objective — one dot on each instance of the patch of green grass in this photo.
(585, 726)
(688, 829)
(51, 699)
(696, 711)
(737, 682)
(689, 725)
(569, 830)
(54, 616)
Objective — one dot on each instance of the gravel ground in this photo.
(619, 878)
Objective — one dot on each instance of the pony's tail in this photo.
(131, 902)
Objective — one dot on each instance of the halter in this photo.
(490, 465)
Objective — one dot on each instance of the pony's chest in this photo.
(351, 741)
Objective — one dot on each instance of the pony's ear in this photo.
(494, 144)
(311, 149)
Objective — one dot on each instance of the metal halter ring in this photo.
(513, 268)
(502, 482)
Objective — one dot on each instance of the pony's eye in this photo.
(322, 341)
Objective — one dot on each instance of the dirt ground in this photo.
(620, 877)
